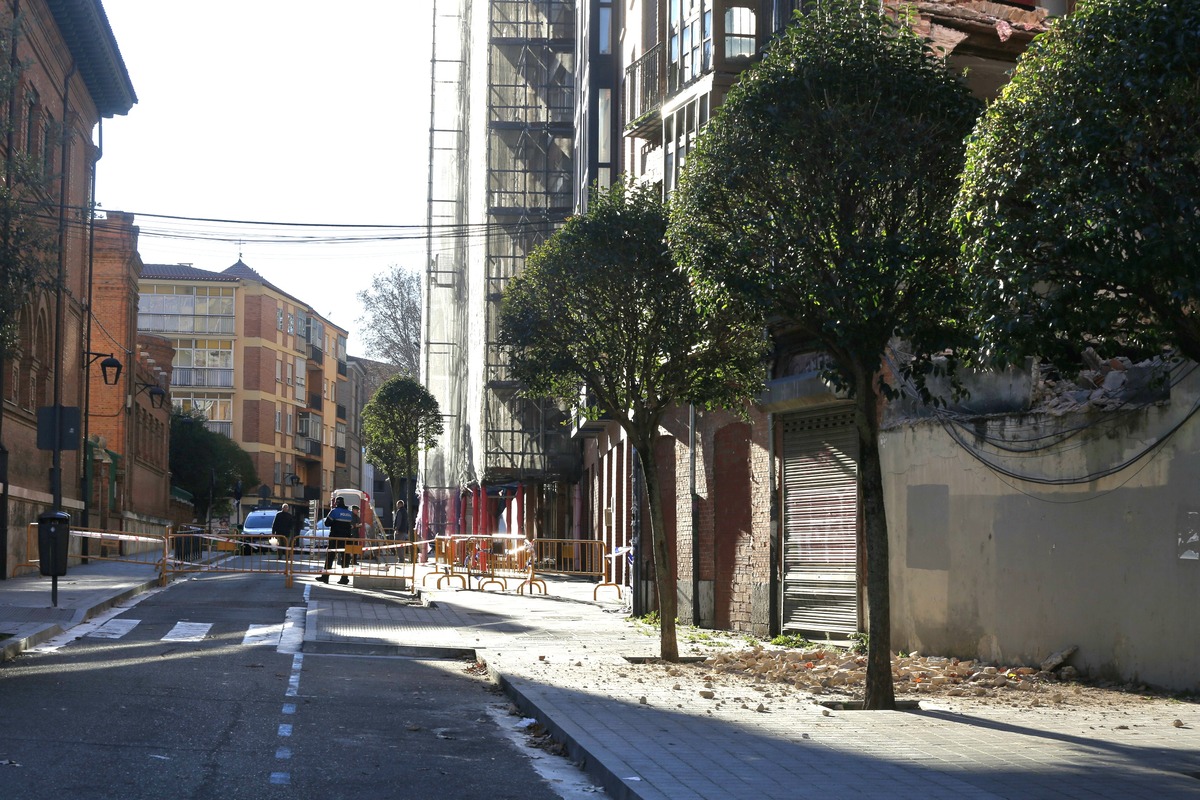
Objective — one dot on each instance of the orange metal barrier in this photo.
(102, 545)
(289, 557)
(585, 557)
(382, 560)
(494, 560)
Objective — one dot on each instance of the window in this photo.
(48, 148)
(291, 324)
(278, 420)
(740, 33)
(289, 374)
(32, 102)
(604, 28)
(279, 318)
(279, 370)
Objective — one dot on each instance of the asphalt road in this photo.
(195, 700)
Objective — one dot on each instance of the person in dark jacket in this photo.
(283, 528)
(340, 523)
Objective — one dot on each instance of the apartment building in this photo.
(263, 368)
(70, 77)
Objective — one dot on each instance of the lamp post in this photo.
(110, 373)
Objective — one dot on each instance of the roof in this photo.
(183, 272)
(89, 37)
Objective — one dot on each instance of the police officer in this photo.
(340, 523)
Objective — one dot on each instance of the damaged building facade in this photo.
(1049, 511)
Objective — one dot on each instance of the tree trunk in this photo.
(664, 572)
(880, 694)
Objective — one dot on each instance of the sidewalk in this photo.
(644, 730)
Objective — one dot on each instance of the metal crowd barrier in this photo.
(494, 560)
(381, 559)
(491, 560)
(585, 557)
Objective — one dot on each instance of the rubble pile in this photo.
(823, 672)
(1105, 384)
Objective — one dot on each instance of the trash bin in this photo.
(54, 542)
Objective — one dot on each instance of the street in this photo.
(195, 692)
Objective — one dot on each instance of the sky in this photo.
(279, 111)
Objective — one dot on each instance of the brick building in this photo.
(72, 76)
(127, 428)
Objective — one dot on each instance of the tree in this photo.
(601, 305)
(819, 194)
(1080, 203)
(392, 318)
(401, 419)
(206, 463)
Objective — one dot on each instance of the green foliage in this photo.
(791, 640)
(819, 193)
(205, 463)
(1080, 203)
(601, 305)
(28, 210)
(401, 419)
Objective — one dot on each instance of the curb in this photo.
(616, 787)
(14, 646)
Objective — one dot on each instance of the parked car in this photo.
(257, 528)
(313, 537)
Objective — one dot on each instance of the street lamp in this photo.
(157, 393)
(110, 367)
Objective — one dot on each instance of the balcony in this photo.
(340, 455)
(316, 354)
(225, 428)
(341, 411)
(202, 377)
(343, 369)
(313, 447)
(644, 95)
(316, 402)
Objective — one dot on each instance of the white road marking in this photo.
(188, 632)
(114, 629)
(263, 634)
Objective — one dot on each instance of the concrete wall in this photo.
(986, 565)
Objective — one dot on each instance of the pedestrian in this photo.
(283, 527)
(400, 522)
(340, 523)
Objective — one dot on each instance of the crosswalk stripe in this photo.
(263, 634)
(188, 632)
(114, 629)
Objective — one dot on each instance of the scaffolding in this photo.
(501, 146)
(531, 109)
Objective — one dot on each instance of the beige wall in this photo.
(988, 566)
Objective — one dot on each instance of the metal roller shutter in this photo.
(820, 548)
